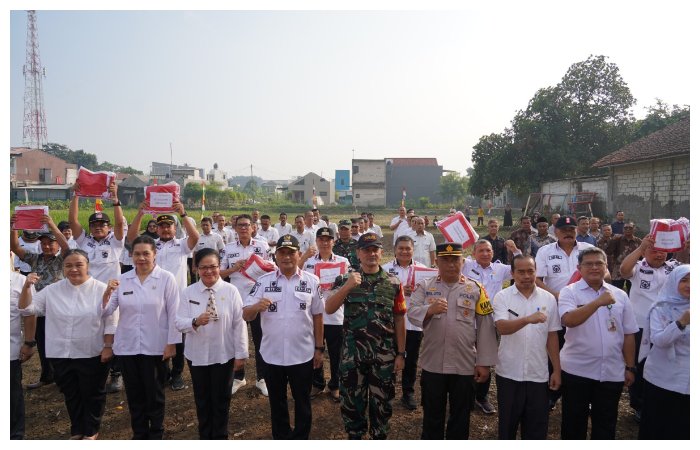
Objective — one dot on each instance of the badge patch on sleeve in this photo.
(483, 306)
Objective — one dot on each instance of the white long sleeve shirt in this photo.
(234, 252)
(147, 313)
(172, 256)
(75, 324)
(668, 362)
(104, 255)
(16, 283)
(219, 340)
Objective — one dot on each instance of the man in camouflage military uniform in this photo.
(345, 245)
(459, 343)
(373, 327)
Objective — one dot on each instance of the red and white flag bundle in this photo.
(457, 228)
(418, 274)
(94, 184)
(160, 198)
(256, 267)
(29, 218)
(670, 235)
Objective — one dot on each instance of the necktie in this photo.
(211, 306)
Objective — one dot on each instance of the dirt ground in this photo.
(47, 418)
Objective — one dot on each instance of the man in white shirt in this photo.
(171, 255)
(400, 224)
(331, 225)
(598, 357)
(332, 323)
(226, 234)
(283, 227)
(268, 233)
(309, 224)
(318, 221)
(556, 263)
(491, 276)
(423, 244)
(373, 227)
(209, 239)
(236, 254)
(553, 222)
(305, 237)
(400, 268)
(256, 217)
(527, 319)
(64, 227)
(290, 305)
(646, 279)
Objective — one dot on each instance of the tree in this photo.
(658, 116)
(561, 133)
(84, 159)
(453, 186)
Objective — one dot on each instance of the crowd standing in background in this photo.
(592, 308)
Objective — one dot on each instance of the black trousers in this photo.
(636, 391)
(555, 395)
(82, 383)
(16, 401)
(47, 375)
(524, 404)
(211, 386)
(603, 398)
(408, 375)
(333, 335)
(178, 361)
(144, 382)
(436, 390)
(260, 365)
(298, 377)
(666, 414)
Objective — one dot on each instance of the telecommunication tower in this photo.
(34, 131)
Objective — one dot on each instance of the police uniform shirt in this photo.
(522, 356)
(403, 229)
(172, 256)
(310, 266)
(555, 266)
(306, 239)
(269, 235)
(16, 283)
(395, 269)
(646, 282)
(491, 277)
(211, 240)
(287, 325)
(423, 244)
(103, 256)
(30, 247)
(75, 324)
(450, 339)
(283, 229)
(219, 341)
(234, 252)
(147, 313)
(592, 350)
(668, 361)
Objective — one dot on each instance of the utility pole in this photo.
(34, 127)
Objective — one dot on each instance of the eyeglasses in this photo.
(243, 225)
(207, 268)
(593, 264)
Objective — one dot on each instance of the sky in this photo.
(290, 92)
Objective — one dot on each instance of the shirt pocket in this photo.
(302, 302)
(465, 310)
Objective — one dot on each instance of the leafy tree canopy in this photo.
(87, 160)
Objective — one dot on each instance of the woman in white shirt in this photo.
(210, 313)
(666, 413)
(78, 339)
(147, 298)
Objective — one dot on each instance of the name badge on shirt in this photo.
(611, 325)
(128, 293)
(192, 301)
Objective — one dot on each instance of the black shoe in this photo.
(486, 406)
(177, 383)
(115, 384)
(637, 416)
(552, 404)
(409, 401)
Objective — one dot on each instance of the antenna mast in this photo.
(34, 129)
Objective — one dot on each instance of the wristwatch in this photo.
(31, 344)
(106, 345)
(404, 354)
(117, 203)
(321, 349)
(194, 323)
(183, 214)
(631, 369)
(680, 325)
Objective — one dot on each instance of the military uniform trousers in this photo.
(363, 382)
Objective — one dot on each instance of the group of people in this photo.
(320, 287)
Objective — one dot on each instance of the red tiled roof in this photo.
(414, 161)
(670, 141)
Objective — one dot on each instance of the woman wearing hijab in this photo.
(211, 315)
(78, 339)
(151, 229)
(666, 345)
(147, 298)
